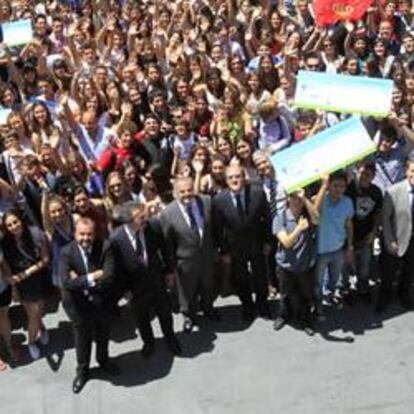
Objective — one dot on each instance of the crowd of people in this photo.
(136, 167)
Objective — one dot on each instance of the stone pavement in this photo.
(358, 363)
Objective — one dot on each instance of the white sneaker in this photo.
(44, 337)
(34, 351)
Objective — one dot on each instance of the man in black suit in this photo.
(242, 227)
(86, 267)
(141, 267)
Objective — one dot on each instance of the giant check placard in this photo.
(326, 152)
(17, 33)
(344, 93)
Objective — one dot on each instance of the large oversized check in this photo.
(17, 33)
(344, 93)
(326, 152)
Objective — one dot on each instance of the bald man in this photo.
(187, 226)
(242, 228)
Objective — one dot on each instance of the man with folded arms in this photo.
(87, 268)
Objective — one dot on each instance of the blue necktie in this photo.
(239, 206)
(193, 222)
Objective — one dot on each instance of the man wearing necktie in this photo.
(186, 223)
(277, 200)
(398, 240)
(86, 267)
(242, 228)
(142, 265)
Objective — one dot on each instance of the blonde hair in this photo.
(268, 107)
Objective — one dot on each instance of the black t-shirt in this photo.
(367, 204)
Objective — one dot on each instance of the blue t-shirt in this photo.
(332, 232)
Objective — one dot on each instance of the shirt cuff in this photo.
(91, 280)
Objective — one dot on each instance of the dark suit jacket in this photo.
(130, 271)
(79, 299)
(235, 235)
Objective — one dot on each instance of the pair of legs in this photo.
(5, 330)
(328, 272)
(392, 266)
(34, 311)
(296, 290)
(94, 326)
(195, 287)
(363, 259)
(144, 305)
(248, 271)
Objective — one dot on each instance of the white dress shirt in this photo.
(197, 216)
(131, 237)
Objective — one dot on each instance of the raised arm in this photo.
(320, 197)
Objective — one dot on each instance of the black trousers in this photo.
(296, 291)
(94, 326)
(392, 266)
(271, 265)
(245, 277)
(145, 306)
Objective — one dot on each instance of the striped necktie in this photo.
(272, 199)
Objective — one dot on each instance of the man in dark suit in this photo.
(187, 226)
(242, 226)
(86, 267)
(397, 257)
(141, 267)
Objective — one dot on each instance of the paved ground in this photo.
(358, 364)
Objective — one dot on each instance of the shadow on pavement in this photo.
(354, 321)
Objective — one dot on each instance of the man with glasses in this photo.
(313, 62)
(242, 225)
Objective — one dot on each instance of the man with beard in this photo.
(86, 268)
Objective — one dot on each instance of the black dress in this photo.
(19, 259)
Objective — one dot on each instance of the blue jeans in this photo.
(328, 271)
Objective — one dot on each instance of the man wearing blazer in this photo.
(187, 226)
(141, 266)
(398, 239)
(86, 267)
(242, 224)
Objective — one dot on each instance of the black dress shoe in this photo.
(174, 346)
(212, 315)
(147, 350)
(79, 382)
(188, 325)
(110, 368)
(279, 323)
